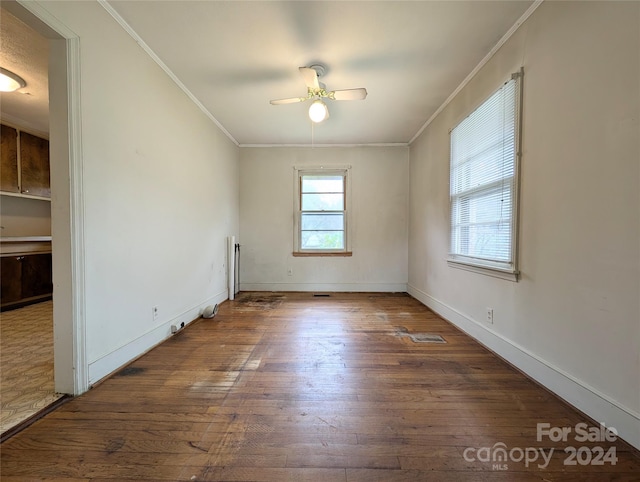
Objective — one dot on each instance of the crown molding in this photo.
(391, 144)
(482, 63)
(134, 35)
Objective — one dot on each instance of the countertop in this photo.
(24, 239)
(24, 245)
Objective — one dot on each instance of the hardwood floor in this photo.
(294, 387)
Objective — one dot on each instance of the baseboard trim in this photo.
(107, 364)
(332, 287)
(574, 391)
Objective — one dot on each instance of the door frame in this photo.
(67, 197)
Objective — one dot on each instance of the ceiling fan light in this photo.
(10, 82)
(318, 111)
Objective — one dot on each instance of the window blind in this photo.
(483, 184)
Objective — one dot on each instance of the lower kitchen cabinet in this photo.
(25, 279)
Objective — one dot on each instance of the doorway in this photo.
(69, 365)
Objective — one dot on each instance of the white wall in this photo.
(25, 217)
(160, 184)
(378, 215)
(573, 320)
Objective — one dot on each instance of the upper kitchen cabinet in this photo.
(9, 160)
(34, 165)
(25, 164)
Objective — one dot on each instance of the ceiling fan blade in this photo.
(292, 100)
(310, 77)
(348, 94)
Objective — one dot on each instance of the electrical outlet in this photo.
(290, 272)
(154, 312)
(489, 315)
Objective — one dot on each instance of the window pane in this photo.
(322, 240)
(487, 167)
(322, 222)
(322, 202)
(492, 205)
(322, 211)
(485, 241)
(322, 183)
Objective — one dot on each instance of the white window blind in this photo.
(483, 183)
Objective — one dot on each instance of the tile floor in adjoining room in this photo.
(26, 363)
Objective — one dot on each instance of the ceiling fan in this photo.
(318, 110)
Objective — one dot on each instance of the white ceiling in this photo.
(26, 53)
(234, 56)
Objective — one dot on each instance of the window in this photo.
(484, 185)
(321, 224)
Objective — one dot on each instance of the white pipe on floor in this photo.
(231, 265)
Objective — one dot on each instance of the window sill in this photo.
(485, 270)
(317, 254)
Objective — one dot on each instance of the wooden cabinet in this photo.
(11, 279)
(25, 279)
(9, 160)
(25, 164)
(34, 165)
(36, 275)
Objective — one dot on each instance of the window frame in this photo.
(508, 270)
(299, 173)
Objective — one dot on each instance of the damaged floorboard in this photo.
(295, 387)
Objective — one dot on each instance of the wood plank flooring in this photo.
(294, 387)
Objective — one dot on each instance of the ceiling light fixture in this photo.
(318, 111)
(9, 81)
